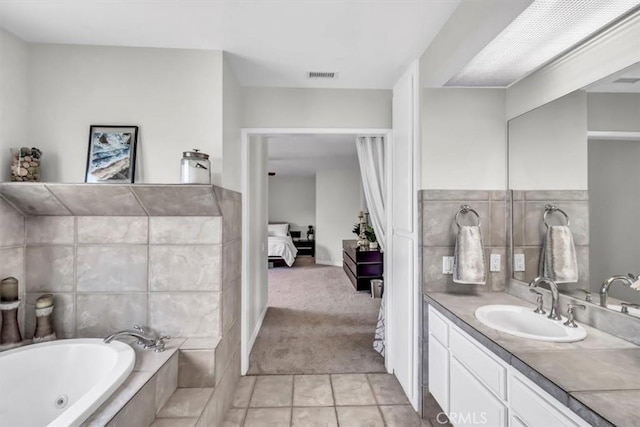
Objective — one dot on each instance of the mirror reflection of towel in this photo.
(558, 260)
(468, 257)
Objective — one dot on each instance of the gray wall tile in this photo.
(110, 229)
(434, 281)
(97, 199)
(98, 315)
(12, 225)
(64, 315)
(197, 368)
(231, 206)
(166, 381)
(50, 230)
(112, 268)
(454, 195)
(185, 268)
(518, 223)
(50, 269)
(231, 298)
(32, 199)
(231, 263)
(187, 314)
(12, 265)
(534, 228)
(171, 200)
(140, 410)
(565, 195)
(498, 221)
(438, 221)
(227, 347)
(185, 230)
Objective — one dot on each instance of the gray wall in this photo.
(292, 199)
(614, 112)
(614, 190)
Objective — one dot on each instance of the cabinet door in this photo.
(439, 372)
(536, 408)
(471, 403)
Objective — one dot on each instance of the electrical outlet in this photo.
(518, 262)
(495, 263)
(447, 265)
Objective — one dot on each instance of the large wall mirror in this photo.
(577, 159)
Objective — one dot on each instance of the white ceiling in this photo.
(271, 42)
(606, 85)
(304, 155)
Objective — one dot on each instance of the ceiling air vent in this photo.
(629, 80)
(321, 75)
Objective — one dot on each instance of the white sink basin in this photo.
(524, 323)
(632, 311)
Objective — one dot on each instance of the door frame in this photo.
(248, 337)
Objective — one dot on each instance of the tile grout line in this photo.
(335, 403)
(375, 399)
(293, 385)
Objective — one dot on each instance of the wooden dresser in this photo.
(361, 266)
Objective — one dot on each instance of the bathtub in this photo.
(60, 383)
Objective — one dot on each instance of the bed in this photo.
(281, 248)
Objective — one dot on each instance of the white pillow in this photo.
(279, 230)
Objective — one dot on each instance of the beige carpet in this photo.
(316, 323)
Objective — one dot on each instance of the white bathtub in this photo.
(60, 383)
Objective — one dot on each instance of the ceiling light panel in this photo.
(540, 33)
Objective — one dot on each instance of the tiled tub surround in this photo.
(108, 273)
(597, 378)
(438, 210)
(180, 274)
(146, 390)
(529, 229)
(12, 250)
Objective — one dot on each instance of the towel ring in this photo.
(466, 209)
(551, 209)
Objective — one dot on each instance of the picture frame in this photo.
(111, 155)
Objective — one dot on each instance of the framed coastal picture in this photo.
(112, 154)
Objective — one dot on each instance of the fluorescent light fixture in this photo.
(543, 31)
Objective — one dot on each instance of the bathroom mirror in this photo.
(580, 154)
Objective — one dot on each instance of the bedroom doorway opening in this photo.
(303, 196)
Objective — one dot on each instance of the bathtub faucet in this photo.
(144, 340)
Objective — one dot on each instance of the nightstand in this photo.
(305, 247)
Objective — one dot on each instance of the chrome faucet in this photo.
(604, 289)
(625, 307)
(554, 312)
(571, 323)
(144, 340)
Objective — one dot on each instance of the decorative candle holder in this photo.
(10, 332)
(44, 320)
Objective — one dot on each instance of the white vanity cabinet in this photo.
(475, 387)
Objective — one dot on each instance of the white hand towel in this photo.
(558, 260)
(468, 258)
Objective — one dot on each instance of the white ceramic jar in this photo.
(195, 168)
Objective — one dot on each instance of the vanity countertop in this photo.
(597, 378)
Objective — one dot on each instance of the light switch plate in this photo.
(447, 265)
(495, 263)
(518, 262)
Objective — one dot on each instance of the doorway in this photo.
(255, 290)
(316, 321)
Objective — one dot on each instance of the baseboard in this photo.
(256, 330)
(333, 263)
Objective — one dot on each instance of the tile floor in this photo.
(183, 408)
(345, 400)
